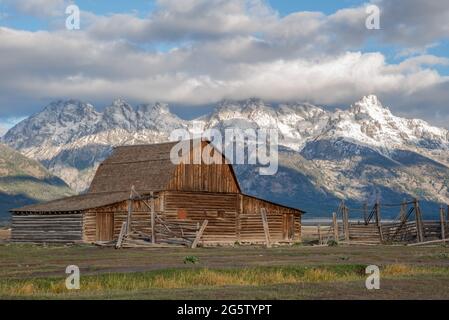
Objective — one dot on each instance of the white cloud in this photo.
(225, 49)
(39, 8)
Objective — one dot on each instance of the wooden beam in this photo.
(442, 223)
(153, 237)
(335, 225)
(263, 213)
(130, 210)
(427, 242)
(199, 234)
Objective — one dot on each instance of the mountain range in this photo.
(24, 181)
(358, 153)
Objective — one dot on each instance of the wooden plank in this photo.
(427, 242)
(121, 235)
(263, 213)
(199, 234)
(130, 210)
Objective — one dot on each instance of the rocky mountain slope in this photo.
(24, 181)
(358, 153)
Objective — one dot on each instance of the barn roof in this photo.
(146, 167)
(77, 203)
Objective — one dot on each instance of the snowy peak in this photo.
(370, 108)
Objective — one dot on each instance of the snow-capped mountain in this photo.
(354, 153)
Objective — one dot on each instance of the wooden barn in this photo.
(139, 196)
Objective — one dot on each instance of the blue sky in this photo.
(193, 53)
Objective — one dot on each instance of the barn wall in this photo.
(219, 209)
(141, 219)
(241, 220)
(251, 223)
(58, 228)
(232, 217)
(204, 177)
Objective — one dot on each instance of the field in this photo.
(297, 272)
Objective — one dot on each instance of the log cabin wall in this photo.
(48, 228)
(284, 223)
(141, 218)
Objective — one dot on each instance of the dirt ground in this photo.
(33, 260)
(25, 262)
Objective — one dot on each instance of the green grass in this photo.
(201, 278)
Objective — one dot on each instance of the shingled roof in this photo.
(146, 167)
(77, 203)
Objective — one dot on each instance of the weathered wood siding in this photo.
(48, 228)
(204, 177)
(219, 209)
(277, 216)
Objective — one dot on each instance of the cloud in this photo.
(185, 20)
(224, 49)
(414, 22)
(80, 67)
(38, 8)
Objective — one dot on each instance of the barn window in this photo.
(221, 214)
(182, 214)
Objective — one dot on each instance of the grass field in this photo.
(298, 272)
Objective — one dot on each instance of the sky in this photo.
(194, 53)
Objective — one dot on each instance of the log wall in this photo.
(48, 228)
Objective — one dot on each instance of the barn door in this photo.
(288, 226)
(105, 227)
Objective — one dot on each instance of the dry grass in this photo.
(5, 234)
(201, 278)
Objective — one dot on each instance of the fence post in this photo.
(403, 210)
(320, 238)
(335, 223)
(365, 213)
(443, 224)
(419, 226)
(378, 221)
(346, 221)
